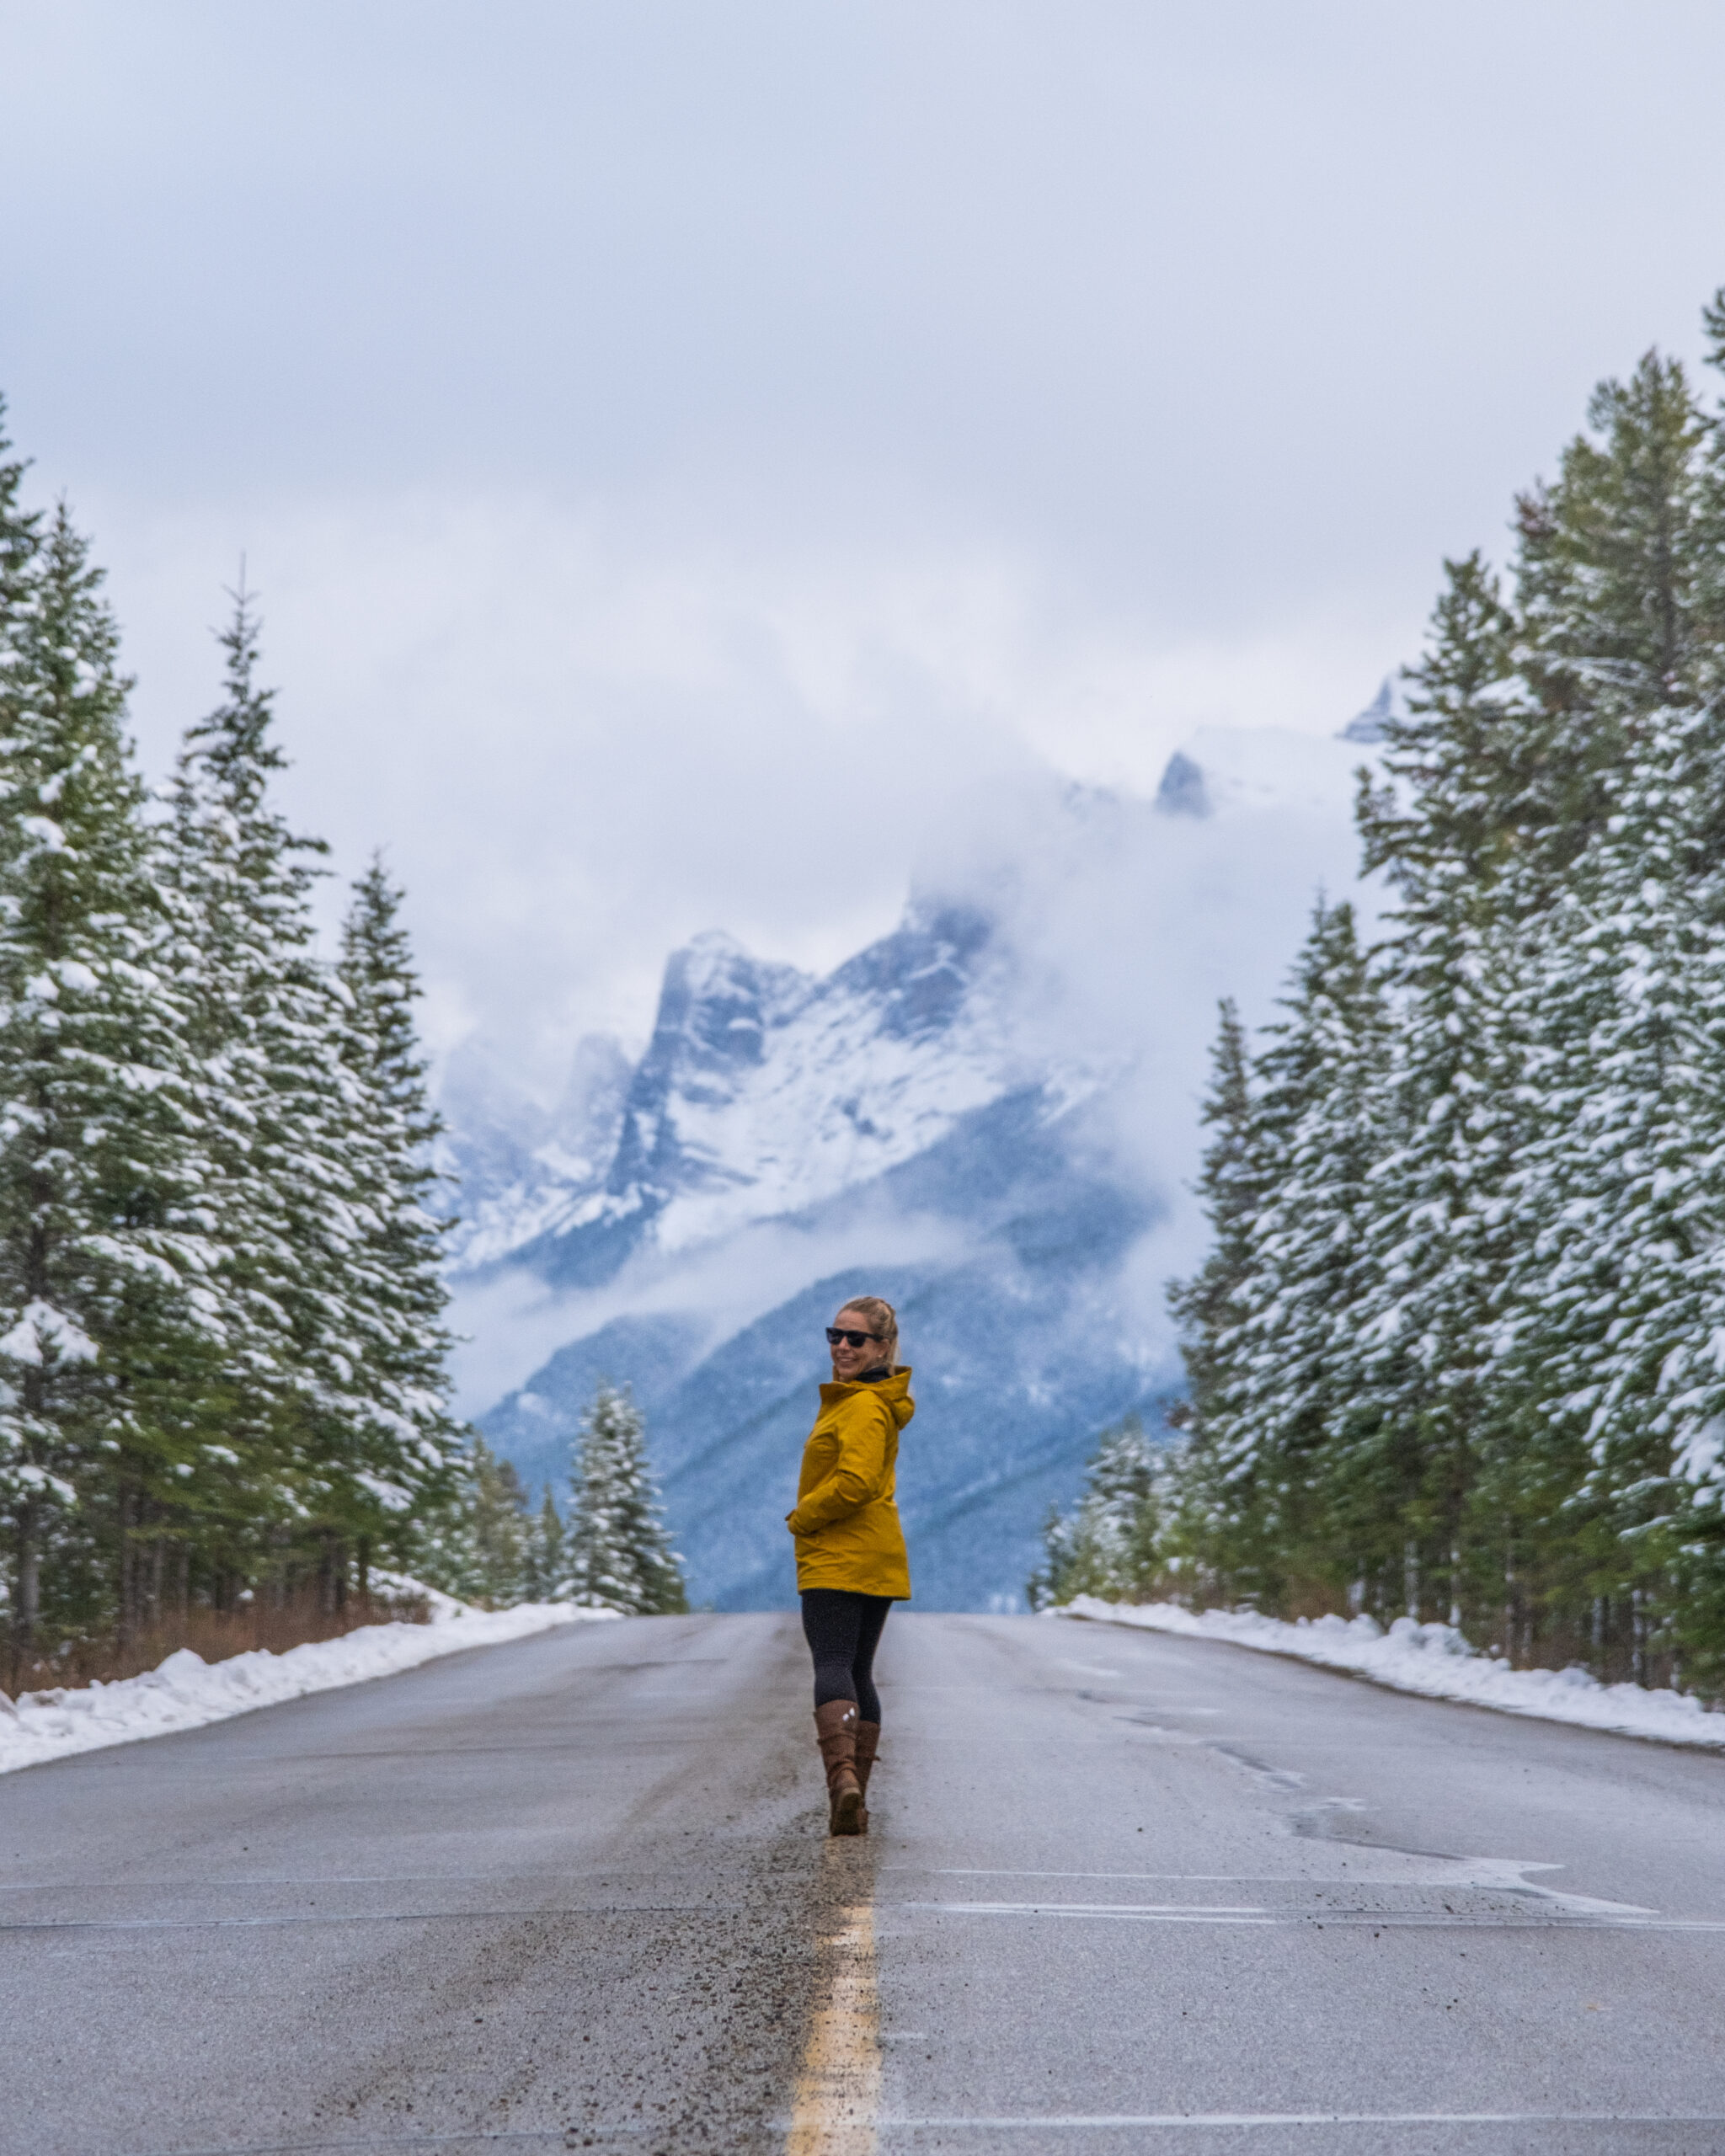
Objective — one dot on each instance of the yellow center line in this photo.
(838, 2085)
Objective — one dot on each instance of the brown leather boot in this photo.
(867, 1744)
(835, 1731)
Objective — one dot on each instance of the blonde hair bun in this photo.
(882, 1317)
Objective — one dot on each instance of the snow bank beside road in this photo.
(1434, 1659)
(186, 1691)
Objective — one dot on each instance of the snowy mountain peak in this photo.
(1370, 724)
(715, 969)
(517, 1170)
(1183, 791)
(1229, 769)
(766, 1091)
(990, 1108)
(918, 977)
(763, 1091)
(715, 1007)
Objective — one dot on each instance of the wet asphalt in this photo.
(1128, 1892)
(564, 1892)
(1214, 1900)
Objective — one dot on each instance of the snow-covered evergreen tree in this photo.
(543, 1564)
(1209, 1307)
(1108, 1545)
(1320, 1100)
(20, 539)
(473, 1542)
(393, 1293)
(1698, 1620)
(1611, 1298)
(1611, 574)
(222, 1342)
(1418, 1420)
(618, 1551)
(109, 1328)
(298, 1175)
(1529, 1386)
(1613, 1294)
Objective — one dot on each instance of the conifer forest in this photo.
(222, 1347)
(1457, 1349)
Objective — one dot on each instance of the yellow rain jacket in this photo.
(847, 1522)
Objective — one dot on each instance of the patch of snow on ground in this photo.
(185, 1692)
(1434, 1659)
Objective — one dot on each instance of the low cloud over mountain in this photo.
(989, 1115)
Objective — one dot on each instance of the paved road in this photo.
(1123, 1893)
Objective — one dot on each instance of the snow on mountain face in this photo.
(516, 1170)
(1371, 724)
(989, 1115)
(764, 1091)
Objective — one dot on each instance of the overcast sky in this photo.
(683, 448)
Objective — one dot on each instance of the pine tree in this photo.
(1613, 1295)
(545, 1565)
(1519, 1396)
(20, 541)
(295, 1151)
(1108, 1545)
(1618, 1184)
(1608, 577)
(619, 1553)
(1208, 1309)
(109, 1324)
(393, 1293)
(1706, 585)
(1458, 764)
(501, 1529)
(1321, 1100)
(1520, 1358)
(1464, 848)
(1228, 1190)
(1698, 1622)
(476, 1540)
(221, 1339)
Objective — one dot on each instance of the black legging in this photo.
(843, 1630)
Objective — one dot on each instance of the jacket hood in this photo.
(894, 1390)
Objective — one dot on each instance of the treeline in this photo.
(612, 1550)
(222, 1349)
(222, 1344)
(1458, 1348)
(1111, 1545)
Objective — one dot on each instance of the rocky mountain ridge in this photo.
(972, 1116)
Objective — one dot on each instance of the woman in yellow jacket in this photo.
(851, 1561)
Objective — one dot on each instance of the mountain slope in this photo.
(763, 1092)
(1022, 1352)
(989, 1115)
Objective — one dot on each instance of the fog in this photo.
(692, 459)
(1119, 926)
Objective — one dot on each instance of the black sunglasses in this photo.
(851, 1339)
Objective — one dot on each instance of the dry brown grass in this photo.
(214, 1633)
